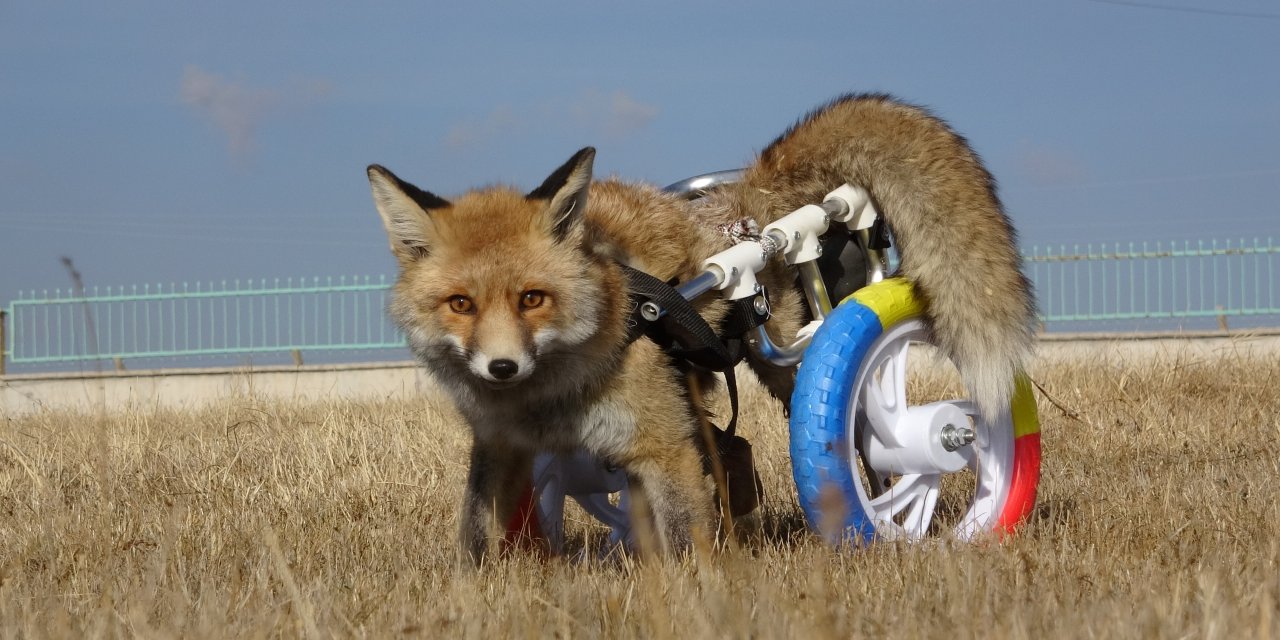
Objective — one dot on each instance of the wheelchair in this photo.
(868, 464)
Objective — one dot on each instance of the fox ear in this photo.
(566, 189)
(405, 211)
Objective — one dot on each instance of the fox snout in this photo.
(501, 369)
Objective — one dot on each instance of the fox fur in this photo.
(517, 305)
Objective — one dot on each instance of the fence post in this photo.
(4, 355)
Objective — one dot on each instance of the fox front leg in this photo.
(495, 482)
(677, 499)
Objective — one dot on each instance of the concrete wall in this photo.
(1136, 347)
(118, 391)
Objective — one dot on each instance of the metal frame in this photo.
(795, 237)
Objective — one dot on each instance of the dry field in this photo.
(1159, 516)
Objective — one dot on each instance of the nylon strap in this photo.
(685, 335)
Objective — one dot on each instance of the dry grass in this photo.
(1159, 516)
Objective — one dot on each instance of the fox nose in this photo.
(503, 369)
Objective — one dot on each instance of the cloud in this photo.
(615, 115)
(611, 115)
(1047, 167)
(501, 122)
(238, 109)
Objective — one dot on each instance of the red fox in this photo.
(517, 303)
(518, 306)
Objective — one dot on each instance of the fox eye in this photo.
(461, 304)
(532, 299)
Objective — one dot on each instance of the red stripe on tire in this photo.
(1022, 487)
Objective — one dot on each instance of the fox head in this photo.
(495, 281)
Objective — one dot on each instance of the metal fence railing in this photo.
(1079, 288)
(201, 319)
(1155, 285)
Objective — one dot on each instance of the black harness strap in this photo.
(683, 333)
(743, 316)
(681, 329)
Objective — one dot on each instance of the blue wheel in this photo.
(870, 465)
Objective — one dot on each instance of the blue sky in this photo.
(159, 142)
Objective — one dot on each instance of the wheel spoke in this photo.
(876, 482)
(917, 495)
(898, 380)
(885, 391)
(921, 514)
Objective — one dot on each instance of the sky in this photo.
(163, 142)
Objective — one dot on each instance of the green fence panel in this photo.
(201, 319)
(1154, 281)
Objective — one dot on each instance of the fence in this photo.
(1163, 285)
(234, 318)
(1152, 284)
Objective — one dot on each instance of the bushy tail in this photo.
(956, 243)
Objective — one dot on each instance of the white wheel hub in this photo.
(908, 450)
(919, 441)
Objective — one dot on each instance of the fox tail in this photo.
(956, 243)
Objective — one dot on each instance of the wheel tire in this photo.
(824, 451)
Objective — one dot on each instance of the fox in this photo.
(517, 303)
